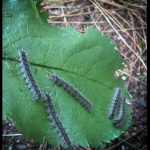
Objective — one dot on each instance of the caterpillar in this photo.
(27, 75)
(117, 121)
(56, 122)
(114, 103)
(72, 91)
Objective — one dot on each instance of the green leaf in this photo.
(88, 62)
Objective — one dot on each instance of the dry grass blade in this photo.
(43, 146)
(121, 27)
(130, 75)
(125, 29)
(134, 5)
(73, 22)
(11, 135)
(73, 15)
(112, 3)
(132, 28)
(124, 140)
(65, 20)
(106, 16)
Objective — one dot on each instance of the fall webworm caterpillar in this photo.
(72, 91)
(56, 122)
(27, 75)
(114, 103)
(119, 119)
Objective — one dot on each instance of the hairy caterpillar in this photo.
(72, 91)
(56, 122)
(114, 103)
(27, 75)
(117, 121)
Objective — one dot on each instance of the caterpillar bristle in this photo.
(55, 121)
(121, 116)
(72, 91)
(27, 75)
(114, 103)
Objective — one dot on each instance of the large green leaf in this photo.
(86, 61)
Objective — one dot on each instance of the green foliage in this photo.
(86, 61)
